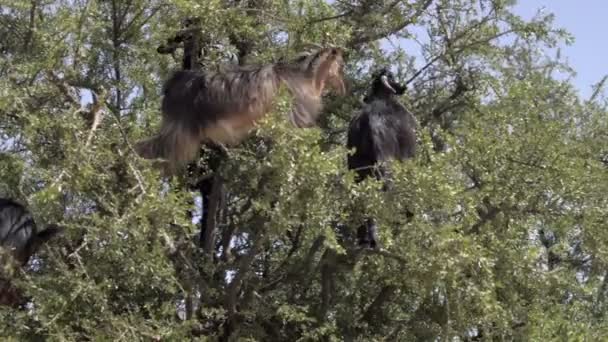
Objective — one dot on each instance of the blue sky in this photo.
(587, 21)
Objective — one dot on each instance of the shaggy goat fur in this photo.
(222, 107)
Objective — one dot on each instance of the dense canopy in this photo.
(509, 237)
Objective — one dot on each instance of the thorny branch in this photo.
(375, 307)
(96, 114)
(208, 239)
(235, 286)
(304, 268)
(364, 39)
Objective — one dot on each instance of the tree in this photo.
(508, 239)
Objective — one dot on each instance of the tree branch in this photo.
(208, 237)
(233, 290)
(327, 283)
(304, 267)
(96, 114)
(375, 308)
(334, 17)
(363, 39)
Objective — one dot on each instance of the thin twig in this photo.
(96, 113)
(338, 16)
(359, 40)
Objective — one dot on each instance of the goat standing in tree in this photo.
(21, 238)
(383, 131)
(222, 107)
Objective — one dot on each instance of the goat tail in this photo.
(175, 143)
(150, 148)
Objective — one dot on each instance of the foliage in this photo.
(508, 241)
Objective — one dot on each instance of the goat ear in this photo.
(47, 234)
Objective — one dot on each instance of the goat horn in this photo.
(384, 80)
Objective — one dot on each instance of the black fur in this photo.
(383, 131)
(184, 96)
(20, 236)
(18, 231)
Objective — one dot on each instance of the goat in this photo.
(222, 107)
(384, 130)
(20, 237)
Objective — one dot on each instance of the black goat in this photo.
(21, 238)
(383, 131)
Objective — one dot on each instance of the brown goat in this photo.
(222, 107)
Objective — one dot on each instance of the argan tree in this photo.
(508, 188)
